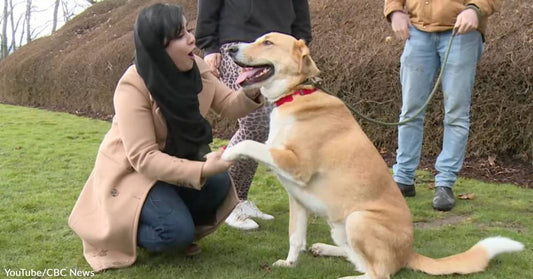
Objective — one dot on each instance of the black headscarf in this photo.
(176, 92)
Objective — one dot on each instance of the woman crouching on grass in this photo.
(150, 186)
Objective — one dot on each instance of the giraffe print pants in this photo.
(254, 126)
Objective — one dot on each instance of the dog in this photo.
(329, 167)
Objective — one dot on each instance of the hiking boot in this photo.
(251, 210)
(443, 200)
(408, 190)
(238, 219)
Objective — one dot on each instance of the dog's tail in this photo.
(476, 259)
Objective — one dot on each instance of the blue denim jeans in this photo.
(421, 60)
(170, 213)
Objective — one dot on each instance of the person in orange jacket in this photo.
(426, 27)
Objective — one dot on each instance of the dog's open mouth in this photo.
(254, 74)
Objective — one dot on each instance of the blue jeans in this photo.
(421, 60)
(170, 213)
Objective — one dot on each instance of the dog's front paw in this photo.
(318, 249)
(284, 263)
(209, 154)
(230, 154)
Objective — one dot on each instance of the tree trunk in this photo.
(28, 25)
(56, 9)
(14, 27)
(4, 51)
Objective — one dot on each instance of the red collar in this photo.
(289, 98)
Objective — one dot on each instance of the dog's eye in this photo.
(267, 43)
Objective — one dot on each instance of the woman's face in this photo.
(180, 49)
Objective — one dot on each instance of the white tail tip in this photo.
(499, 244)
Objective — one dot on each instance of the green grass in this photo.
(45, 158)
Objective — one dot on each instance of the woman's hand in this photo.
(214, 164)
(213, 60)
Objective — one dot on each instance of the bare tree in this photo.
(21, 40)
(28, 21)
(16, 24)
(56, 9)
(68, 12)
(13, 26)
(3, 45)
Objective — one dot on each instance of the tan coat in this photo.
(440, 15)
(130, 161)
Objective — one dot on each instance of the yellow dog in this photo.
(329, 167)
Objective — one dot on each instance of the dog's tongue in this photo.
(247, 73)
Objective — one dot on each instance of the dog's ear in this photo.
(306, 65)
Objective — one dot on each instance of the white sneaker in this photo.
(251, 210)
(239, 220)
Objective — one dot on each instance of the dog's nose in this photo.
(232, 51)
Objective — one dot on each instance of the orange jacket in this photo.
(440, 15)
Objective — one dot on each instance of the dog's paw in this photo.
(230, 154)
(321, 249)
(318, 249)
(284, 263)
(209, 154)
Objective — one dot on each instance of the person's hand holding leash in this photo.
(467, 21)
(213, 60)
(214, 164)
(400, 23)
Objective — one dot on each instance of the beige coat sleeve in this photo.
(135, 120)
(222, 99)
(229, 103)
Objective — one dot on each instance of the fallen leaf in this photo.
(431, 186)
(492, 161)
(467, 196)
